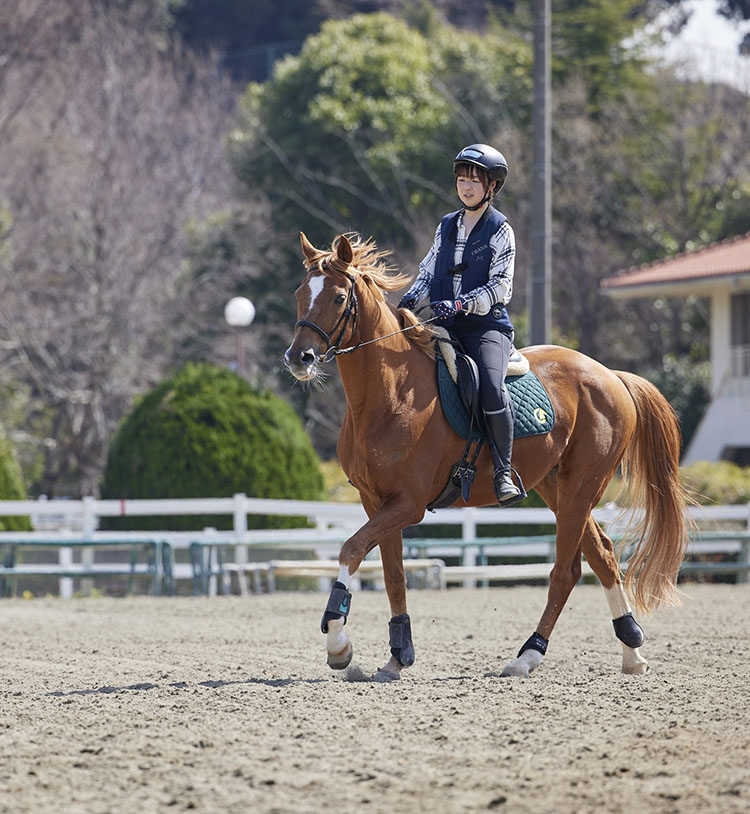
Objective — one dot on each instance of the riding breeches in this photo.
(490, 349)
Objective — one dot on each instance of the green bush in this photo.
(207, 433)
(11, 488)
(720, 482)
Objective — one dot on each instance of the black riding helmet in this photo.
(486, 157)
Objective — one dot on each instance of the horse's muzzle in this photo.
(302, 364)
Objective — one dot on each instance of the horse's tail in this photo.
(650, 468)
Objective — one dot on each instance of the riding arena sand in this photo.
(225, 704)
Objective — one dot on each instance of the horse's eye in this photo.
(340, 299)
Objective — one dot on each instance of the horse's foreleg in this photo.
(383, 529)
(338, 645)
(399, 627)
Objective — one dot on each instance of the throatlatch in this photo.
(628, 631)
(402, 648)
(339, 603)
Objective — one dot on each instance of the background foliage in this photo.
(205, 432)
(144, 181)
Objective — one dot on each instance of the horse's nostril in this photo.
(300, 359)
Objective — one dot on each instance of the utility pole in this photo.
(540, 280)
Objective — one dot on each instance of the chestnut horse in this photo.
(397, 448)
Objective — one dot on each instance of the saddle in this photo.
(458, 385)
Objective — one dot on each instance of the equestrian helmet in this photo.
(487, 158)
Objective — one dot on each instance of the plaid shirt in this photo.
(497, 289)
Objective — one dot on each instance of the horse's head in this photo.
(326, 308)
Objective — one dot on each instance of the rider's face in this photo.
(470, 189)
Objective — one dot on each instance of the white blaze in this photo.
(315, 286)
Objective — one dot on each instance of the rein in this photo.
(350, 312)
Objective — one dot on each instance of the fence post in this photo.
(88, 527)
(469, 533)
(743, 558)
(240, 528)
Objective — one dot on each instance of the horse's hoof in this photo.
(384, 677)
(526, 663)
(637, 669)
(633, 663)
(391, 671)
(340, 661)
(515, 670)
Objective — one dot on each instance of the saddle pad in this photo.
(534, 414)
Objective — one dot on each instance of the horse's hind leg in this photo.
(571, 499)
(600, 555)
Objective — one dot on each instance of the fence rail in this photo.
(721, 546)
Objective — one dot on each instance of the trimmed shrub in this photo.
(206, 432)
(11, 487)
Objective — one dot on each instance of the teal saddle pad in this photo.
(534, 414)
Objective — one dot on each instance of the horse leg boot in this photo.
(500, 431)
(339, 647)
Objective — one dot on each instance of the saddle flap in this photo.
(468, 382)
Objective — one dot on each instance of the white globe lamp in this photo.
(239, 312)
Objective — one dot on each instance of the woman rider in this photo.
(467, 277)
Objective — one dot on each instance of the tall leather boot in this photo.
(500, 431)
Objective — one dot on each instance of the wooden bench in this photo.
(514, 572)
(541, 546)
(369, 569)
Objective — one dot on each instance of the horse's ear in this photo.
(344, 250)
(308, 249)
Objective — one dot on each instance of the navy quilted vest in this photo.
(474, 269)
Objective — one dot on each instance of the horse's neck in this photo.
(378, 378)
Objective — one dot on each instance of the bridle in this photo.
(350, 313)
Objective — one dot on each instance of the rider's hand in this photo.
(408, 301)
(443, 309)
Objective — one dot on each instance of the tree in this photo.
(116, 149)
(247, 34)
(355, 132)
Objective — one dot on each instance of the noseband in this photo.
(349, 313)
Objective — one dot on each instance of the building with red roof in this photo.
(720, 272)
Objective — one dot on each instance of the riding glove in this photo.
(408, 301)
(443, 309)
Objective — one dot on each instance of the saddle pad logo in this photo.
(540, 414)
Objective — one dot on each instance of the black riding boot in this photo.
(500, 430)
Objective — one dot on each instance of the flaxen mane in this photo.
(379, 276)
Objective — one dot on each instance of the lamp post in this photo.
(239, 312)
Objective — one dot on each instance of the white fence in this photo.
(83, 515)
(78, 522)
